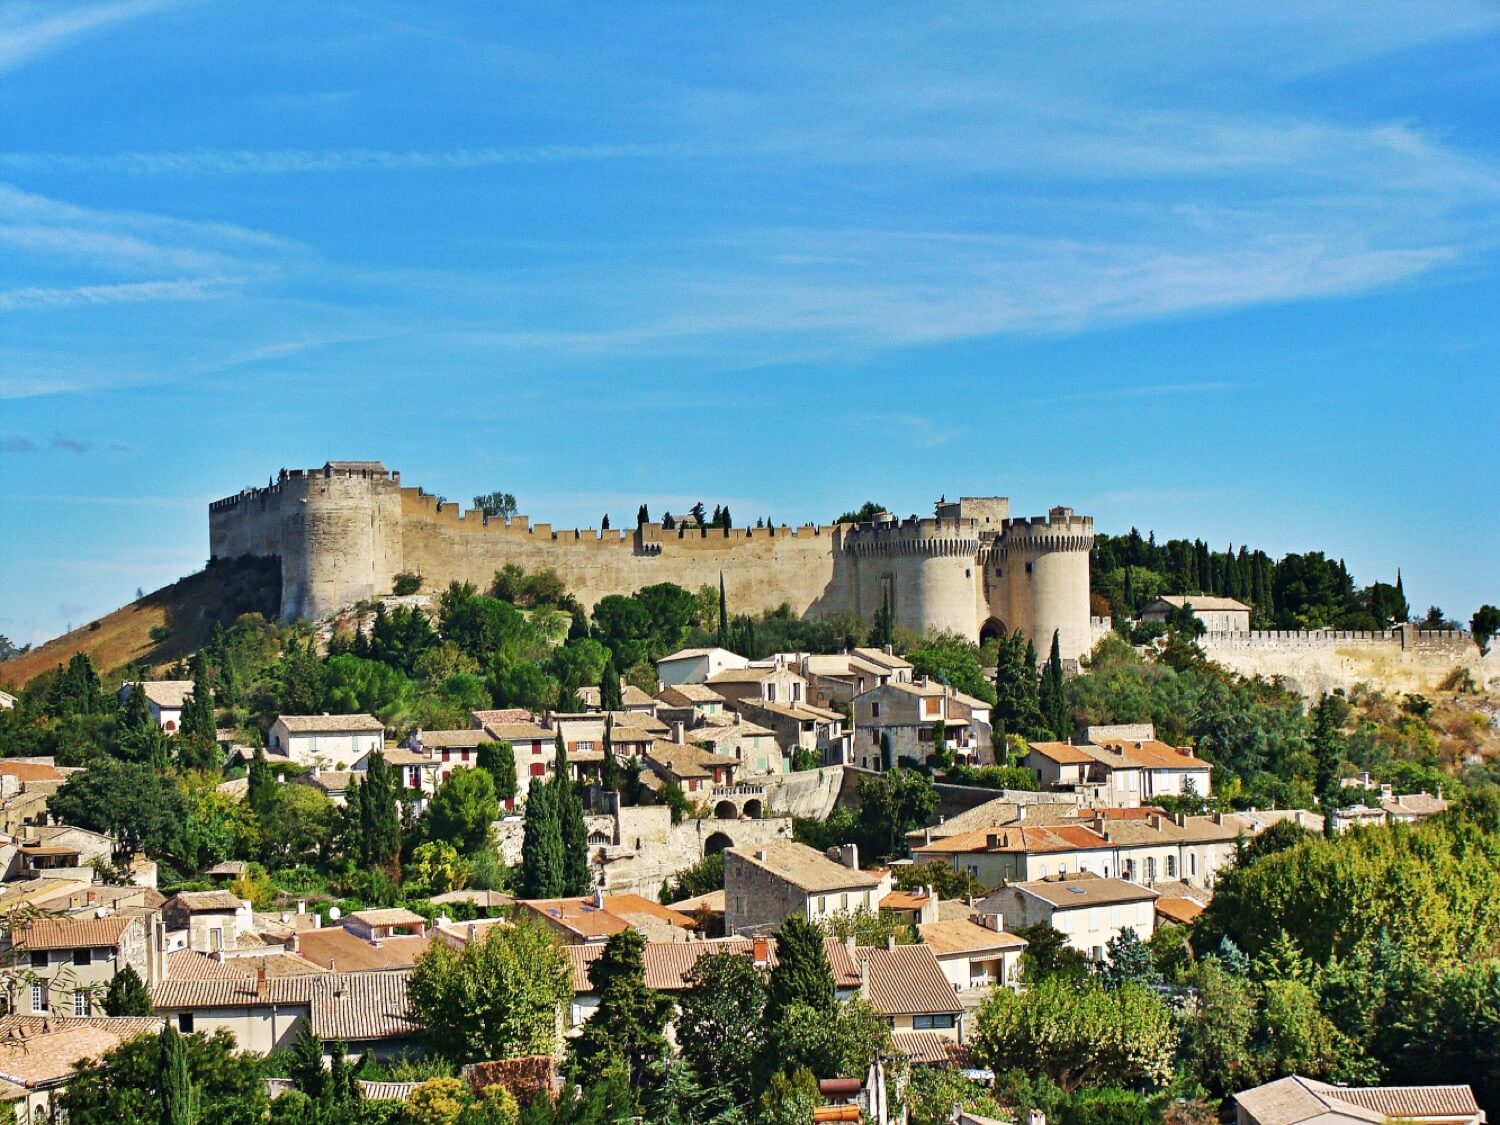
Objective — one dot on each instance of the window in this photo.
(1129, 870)
(1192, 863)
(844, 901)
(80, 1003)
(822, 903)
(216, 938)
(930, 1023)
(185, 1022)
(39, 998)
(1150, 869)
(796, 693)
(771, 693)
(447, 754)
(83, 956)
(463, 755)
(538, 769)
(39, 959)
(1171, 867)
(874, 710)
(1028, 568)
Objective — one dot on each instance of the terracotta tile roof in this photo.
(881, 657)
(1077, 890)
(965, 936)
(1205, 602)
(171, 694)
(453, 739)
(805, 868)
(1182, 910)
(348, 1006)
(632, 696)
(395, 916)
(1064, 753)
(1147, 754)
(330, 724)
(751, 675)
(928, 1047)
(713, 902)
(1414, 804)
(907, 980)
(35, 1057)
(336, 948)
(904, 900)
(688, 694)
(30, 771)
(689, 653)
(522, 731)
(1407, 1101)
(189, 964)
(73, 932)
(401, 756)
(687, 760)
(619, 912)
(712, 733)
(501, 715)
(195, 901)
(1294, 1099)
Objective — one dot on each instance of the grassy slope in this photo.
(187, 608)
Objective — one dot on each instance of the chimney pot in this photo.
(760, 951)
(890, 941)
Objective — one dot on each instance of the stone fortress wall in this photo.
(344, 531)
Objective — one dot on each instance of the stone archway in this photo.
(717, 842)
(754, 810)
(726, 810)
(993, 628)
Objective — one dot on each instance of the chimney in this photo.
(677, 733)
(760, 952)
(737, 718)
(260, 980)
(333, 964)
(598, 898)
(760, 854)
(291, 942)
(1035, 1117)
(302, 906)
(890, 941)
(888, 650)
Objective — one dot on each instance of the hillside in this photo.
(186, 611)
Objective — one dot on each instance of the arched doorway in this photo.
(992, 630)
(725, 810)
(716, 843)
(753, 808)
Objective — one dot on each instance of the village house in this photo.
(699, 701)
(26, 785)
(206, 921)
(164, 698)
(908, 715)
(1118, 771)
(906, 984)
(598, 917)
(71, 959)
(696, 665)
(1090, 910)
(1219, 615)
(1295, 1100)
(695, 769)
(41, 1055)
(56, 851)
(765, 885)
(800, 726)
(835, 680)
(974, 955)
(331, 741)
(752, 746)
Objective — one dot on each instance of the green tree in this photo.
(1078, 1033)
(541, 843)
(723, 634)
(952, 659)
(892, 804)
(1484, 625)
(1128, 961)
(139, 807)
(1053, 697)
(305, 1067)
(609, 687)
(437, 867)
(260, 784)
(577, 876)
(701, 878)
(462, 810)
(127, 995)
(1018, 703)
(842, 1041)
(790, 1098)
(495, 504)
(628, 1028)
(139, 737)
(802, 974)
(132, 1085)
(380, 821)
(179, 1104)
(197, 734)
(498, 759)
(1218, 1029)
(508, 985)
(721, 1027)
(1049, 953)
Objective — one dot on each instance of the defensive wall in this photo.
(1318, 661)
(345, 531)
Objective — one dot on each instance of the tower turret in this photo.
(1037, 573)
(922, 568)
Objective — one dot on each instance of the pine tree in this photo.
(380, 824)
(629, 1027)
(178, 1096)
(604, 523)
(127, 995)
(802, 974)
(723, 640)
(1053, 696)
(642, 515)
(577, 877)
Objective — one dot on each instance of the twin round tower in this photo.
(344, 531)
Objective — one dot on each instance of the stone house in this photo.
(598, 917)
(696, 665)
(332, 741)
(164, 698)
(1165, 771)
(751, 745)
(71, 959)
(1121, 772)
(1219, 615)
(696, 769)
(26, 785)
(1090, 910)
(56, 851)
(766, 885)
(207, 921)
(800, 726)
(760, 683)
(835, 680)
(41, 1055)
(972, 955)
(906, 984)
(907, 714)
(533, 746)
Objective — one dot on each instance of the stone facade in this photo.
(343, 533)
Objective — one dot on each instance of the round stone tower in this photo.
(1038, 579)
(922, 568)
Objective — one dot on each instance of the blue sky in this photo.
(1220, 270)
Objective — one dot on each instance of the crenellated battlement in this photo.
(345, 531)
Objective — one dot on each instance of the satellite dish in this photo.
(334, 912)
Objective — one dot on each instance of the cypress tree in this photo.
(604, 523)
(380, 824)
(1129, 606)
(642, 515)
(629, 1027)
(178, 1096)
(609, 687)
(541, 844)
(198, 710)
(1053, 697)
(354, 823)
(723, 640)
(577, 878)
(609, 771)
(802, 974)
(260, 786)
(305, 1067)
(127, 995)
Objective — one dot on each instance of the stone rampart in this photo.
(1314, 662)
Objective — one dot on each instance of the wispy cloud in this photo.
(16, 443)
(29, 30)
(228, 162)
(70, 445)
(36, 297)
(922, 432)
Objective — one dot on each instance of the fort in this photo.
(343, 533)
